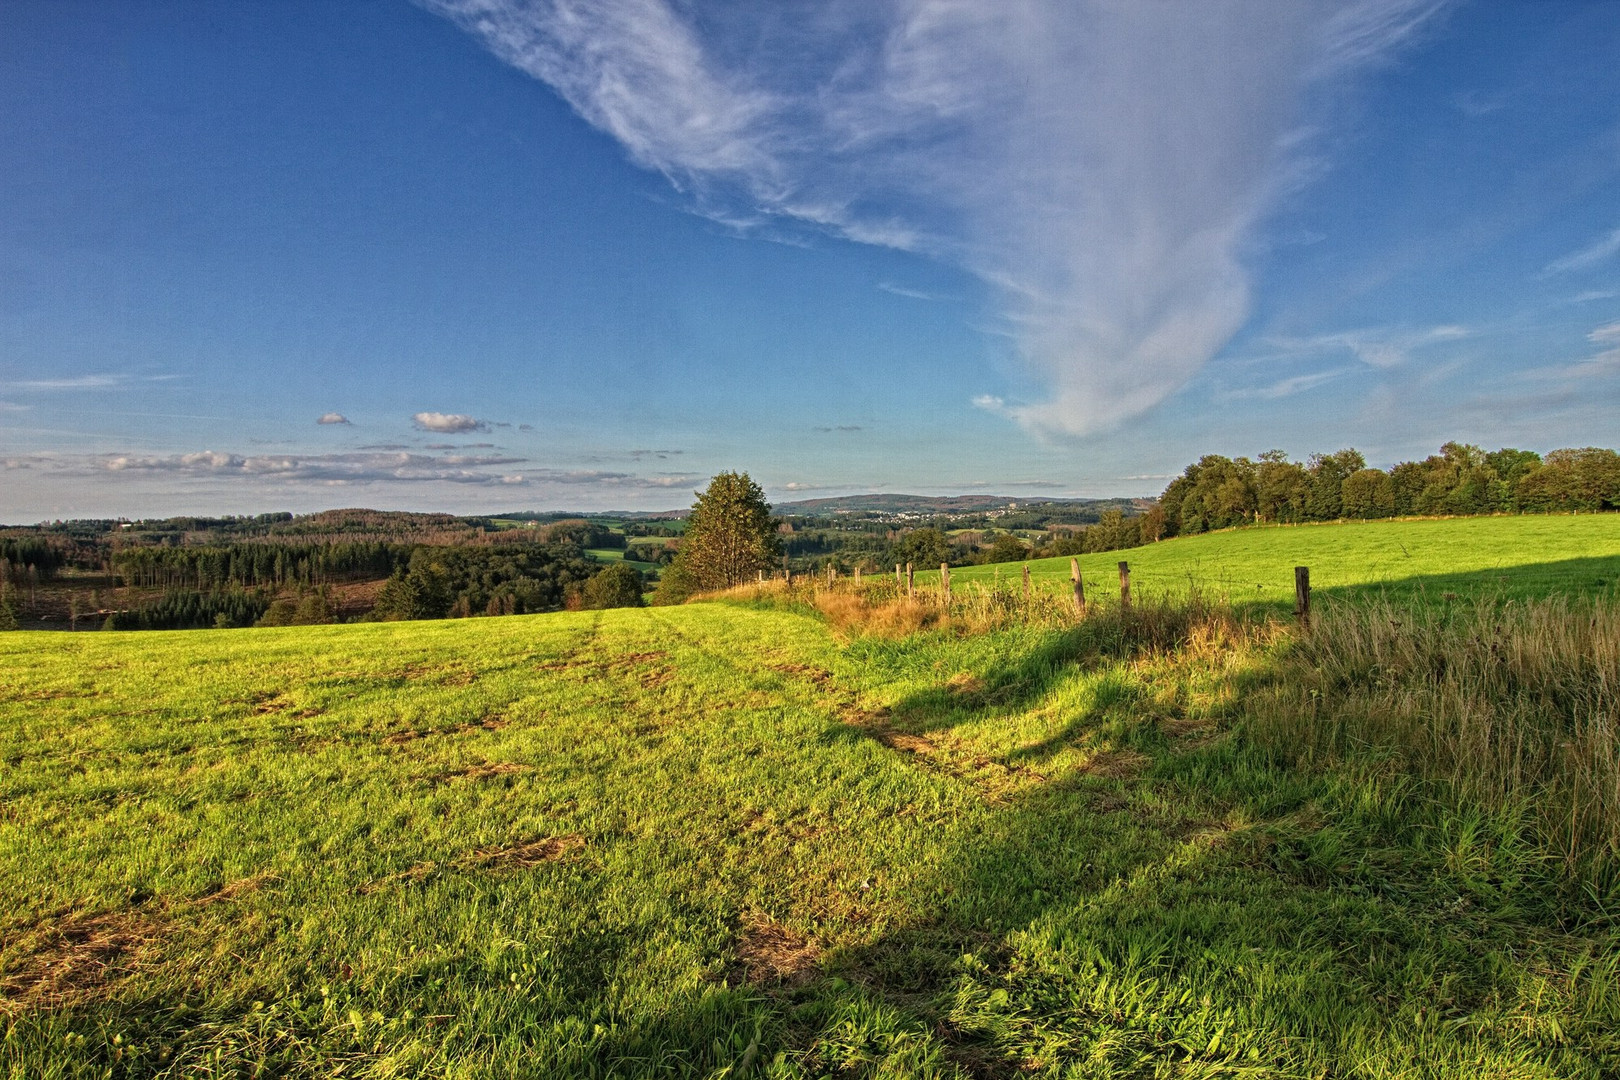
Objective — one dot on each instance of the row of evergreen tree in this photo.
(192, 609)
(250, 565)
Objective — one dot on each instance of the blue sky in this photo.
(570, 254)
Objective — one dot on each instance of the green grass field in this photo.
(721, 841)
(612, 555)
(1513, 556)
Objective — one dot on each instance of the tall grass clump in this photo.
(1514, 706)
(880, 607)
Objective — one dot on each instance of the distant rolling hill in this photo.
(943, 504)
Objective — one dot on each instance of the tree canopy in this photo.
(730, 536)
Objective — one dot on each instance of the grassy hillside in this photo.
(716, 841)
(1529, 555)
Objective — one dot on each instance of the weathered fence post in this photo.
(762, 577)
(1302, 596)
(832, 572)
(857, 575)
(911, 579)
(898, 579)
(1124, 586)
(1026, 581)
(1079, 587)
(945, 583)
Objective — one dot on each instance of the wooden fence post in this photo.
(1079, 587)
(898, 580)
(1302, 596)
(762, 577)
(1124, 586)
(857, 575)
(945, 582)
(1026, 581)
(911, 580)
(832, 572)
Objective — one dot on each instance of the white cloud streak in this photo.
(1587, 257)
(75, 382)
(1383, 348)
(1103, 164)
(358, 468)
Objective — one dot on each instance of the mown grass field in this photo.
(1522, 556)
(720, 840)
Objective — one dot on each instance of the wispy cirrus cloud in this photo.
(1378, 347)
(1285, 387)
(73, 382)
(1102, 165)
(1599, 251)
(907, 292)
(448, 423)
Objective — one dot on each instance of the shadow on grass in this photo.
(1214, 913)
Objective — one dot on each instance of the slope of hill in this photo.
(713, 840)
(1528, 555)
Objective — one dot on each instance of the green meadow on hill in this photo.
(750, 838)
(1523, 556)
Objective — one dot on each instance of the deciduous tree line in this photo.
(1217, 492)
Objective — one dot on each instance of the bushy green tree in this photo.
(730, 536)
(1573, 479)
(1007, 548)
(923, 548)
(615, 585)
(1368, 493)
(675, 585)
(1328, 473)
(1281, 488)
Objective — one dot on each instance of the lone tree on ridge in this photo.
(730, 536)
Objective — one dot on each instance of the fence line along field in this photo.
(1521, 556)
(787, 835)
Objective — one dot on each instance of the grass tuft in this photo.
(1513, 706)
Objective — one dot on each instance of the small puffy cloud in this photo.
(332, 418)
(448, 423)
(990, 403)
